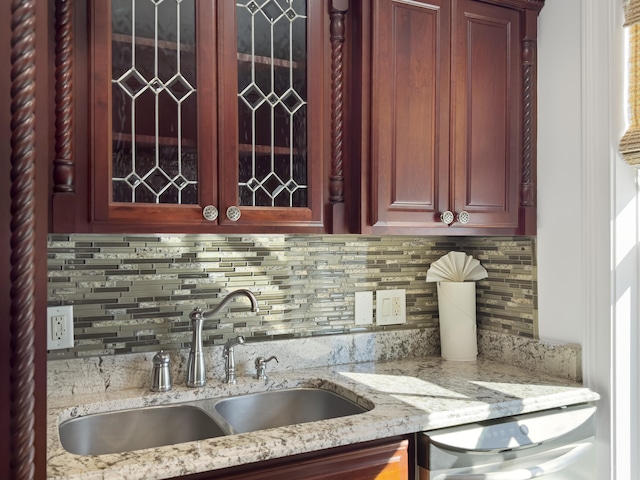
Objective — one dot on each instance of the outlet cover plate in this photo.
(391, 307)
(364, 308)
(59, 327)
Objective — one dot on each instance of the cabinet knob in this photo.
(210, 213)
(447, 217)
(464, 217)
(233, 213)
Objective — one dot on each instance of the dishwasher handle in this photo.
(534, 471)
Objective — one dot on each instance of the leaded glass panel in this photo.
(154, 106)
(272, 102)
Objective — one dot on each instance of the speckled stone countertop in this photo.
(408, 396)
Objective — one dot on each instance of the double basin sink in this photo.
(156, 426)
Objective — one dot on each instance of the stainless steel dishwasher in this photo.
(555, 444)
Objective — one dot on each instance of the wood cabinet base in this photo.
(387, 459)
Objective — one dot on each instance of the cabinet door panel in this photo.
(410, 140)
(153, 69)
(272, 112)
(486, 99)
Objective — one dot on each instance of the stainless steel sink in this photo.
(126, 430)
(277, 408)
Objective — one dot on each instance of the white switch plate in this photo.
(59, 327)
(364, 308)
(391, 307)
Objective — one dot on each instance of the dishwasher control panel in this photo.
(515, 431)
(555, 443)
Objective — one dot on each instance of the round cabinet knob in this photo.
(210, 213)
(233, 213)
(447, 217)
(464, 217)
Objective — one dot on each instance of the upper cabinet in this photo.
(295, 116)
(448, 118)
(202, 116)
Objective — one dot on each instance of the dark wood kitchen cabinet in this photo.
(387, 459)
(448, 137)
(200, 116)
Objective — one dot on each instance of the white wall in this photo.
(561, 306)
(588, 216)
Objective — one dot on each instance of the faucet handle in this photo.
(261, 367)
(196, 314)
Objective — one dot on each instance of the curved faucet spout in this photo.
(196, 371)
(247, 293)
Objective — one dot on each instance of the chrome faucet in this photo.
(196, 368)
(229, 360)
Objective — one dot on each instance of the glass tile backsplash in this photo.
(134, 293)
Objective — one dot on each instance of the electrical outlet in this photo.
(364, 308)
(396, 308)
(59, 327)
(391, 307)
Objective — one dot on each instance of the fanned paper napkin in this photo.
(456, 267)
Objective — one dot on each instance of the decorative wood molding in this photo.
(337, 28)
(23, 149)
(521, 4)
(527, 194)
(64, 164)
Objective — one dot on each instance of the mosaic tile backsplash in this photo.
(134, 293)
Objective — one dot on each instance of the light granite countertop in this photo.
(408, 396)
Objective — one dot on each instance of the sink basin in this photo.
(277, 408)
(126, 430)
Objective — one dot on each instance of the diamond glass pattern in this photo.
(253, 96)
(133, 180)
(292, 101)
(180, 181)
(179, 88)
(133, 82)
(273, 99)
(272, 104)
(272, 11)
(156, 85)
(154, 134)
(291, 13)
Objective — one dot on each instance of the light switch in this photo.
(386, 307)
(364, 308)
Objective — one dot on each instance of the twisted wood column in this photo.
(337, 28)
(64, 164)
(23, 74)
(528, 64)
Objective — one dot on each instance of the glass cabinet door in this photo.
(154, 102)
(209, 113)
(272, 104)
(273, 152)
(151, 120)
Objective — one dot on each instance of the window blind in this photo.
(630, 141)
